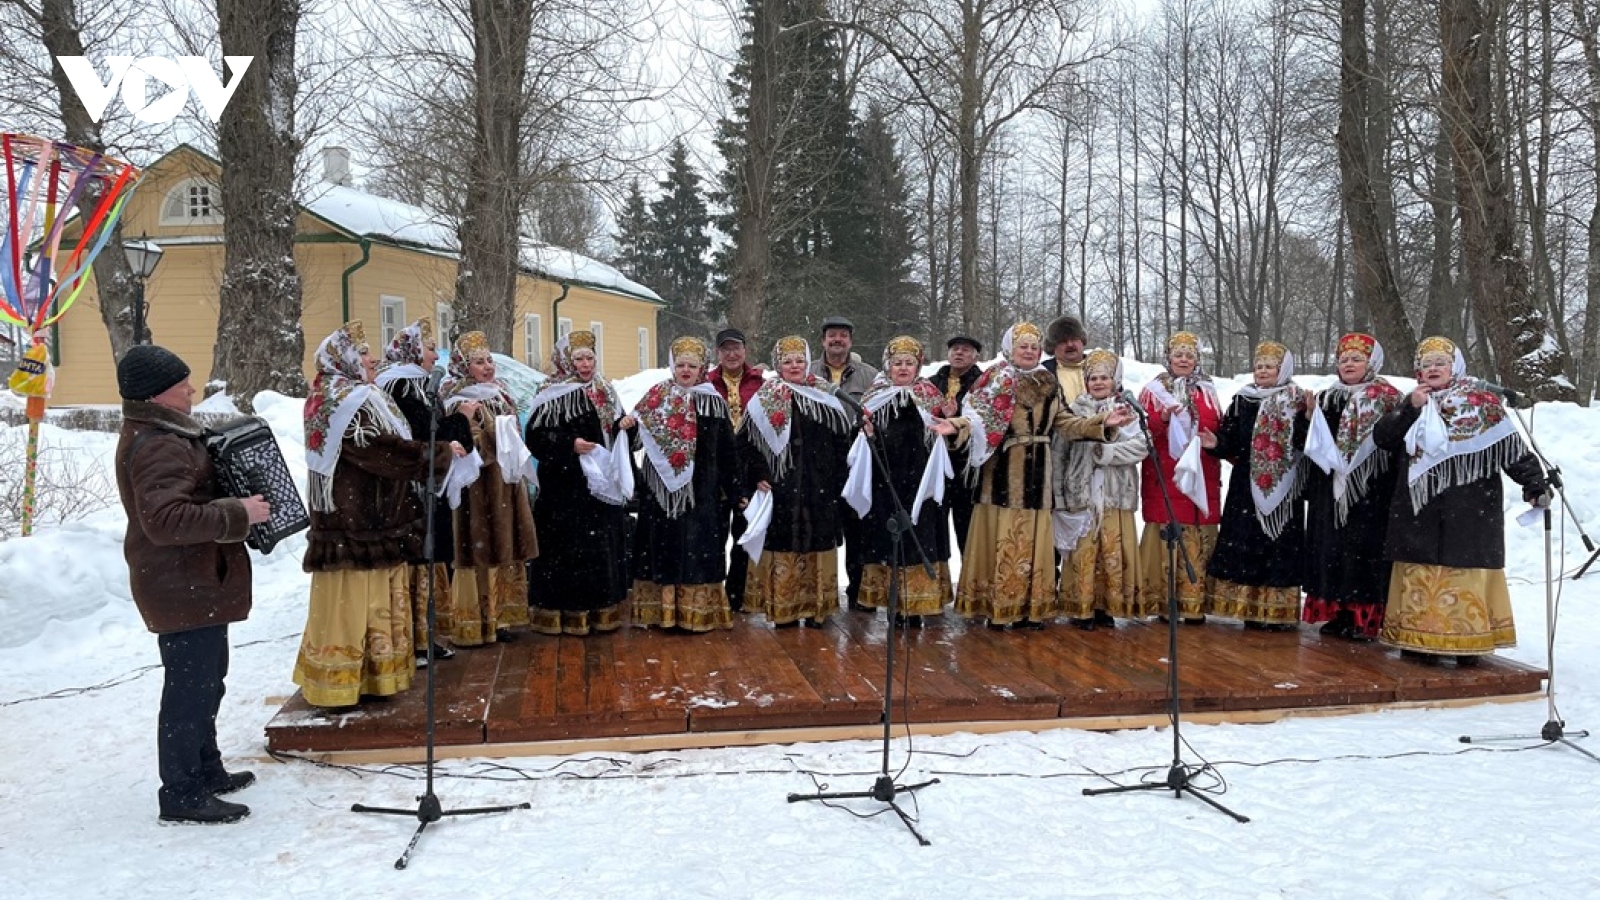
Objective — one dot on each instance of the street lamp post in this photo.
(143, 255)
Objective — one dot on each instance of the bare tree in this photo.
(1526, 355)
(260, 344)
(1586, 26)
(1365, 197)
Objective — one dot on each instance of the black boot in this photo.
(207, 811)
(228, 782)
(1104, 619)
(1085, 624)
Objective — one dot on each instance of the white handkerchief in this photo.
(1191, 477)
(1320, 447)
(516, 463)
(858, 485)
(934, 473)
(463, 472)
(757, 516)
(1070, 528)
(599, 470)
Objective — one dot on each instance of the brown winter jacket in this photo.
(187, 563)
(377, 519)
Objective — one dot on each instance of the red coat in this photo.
(1153, 508)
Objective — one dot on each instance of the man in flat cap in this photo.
(845, 369)
(838, 365)
(737, 381)
(956, 377)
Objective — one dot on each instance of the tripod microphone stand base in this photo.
(1553, 732)
(429, 811)
(1178, 782)
(884, 790)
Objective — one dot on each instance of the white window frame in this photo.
(532, 338)
(391, 317)
(644, 348)
(563, 327)
(179, 205)
(599, 330)
(444, 323)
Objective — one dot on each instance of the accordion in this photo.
(248, 462)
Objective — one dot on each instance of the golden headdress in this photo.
(791, 344)
(358, 335)
(1026, 329)
(1433, 345)
(580, 340)
(903, 345)
(1100, 362)
(691, 347)
(473, 345)
(1184, 340)
(1357, 342)
(1271, 351)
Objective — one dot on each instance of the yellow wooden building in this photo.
(359, 257)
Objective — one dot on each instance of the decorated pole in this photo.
(49, 184)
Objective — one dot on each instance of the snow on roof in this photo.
(368, 215)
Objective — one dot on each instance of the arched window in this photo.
(193, 201)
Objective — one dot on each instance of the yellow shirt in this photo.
(735, 401)
(835, 374)
(1071, 380)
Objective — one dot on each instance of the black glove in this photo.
(1538, 495)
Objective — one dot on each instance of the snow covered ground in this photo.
(1386, 804)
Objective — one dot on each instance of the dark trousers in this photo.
(960, 500)
(738, 562)
(854, 539)
(195, 662)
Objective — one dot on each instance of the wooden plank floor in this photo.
(755, 678)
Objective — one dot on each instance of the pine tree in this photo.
(872, 238)
(679, 224)
(636, 240)
(785, 147)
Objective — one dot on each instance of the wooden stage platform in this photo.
(648, 689)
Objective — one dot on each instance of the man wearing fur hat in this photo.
(1065, 339)
(189, 574)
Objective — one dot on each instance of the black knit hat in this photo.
(147, 370)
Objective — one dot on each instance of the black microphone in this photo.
(1127, 397)
(852, 404)
(1510, 395)
(430, 392)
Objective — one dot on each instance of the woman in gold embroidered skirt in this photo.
(900, 408)
(366, 526)
(691, 472)
(1447, 593)
(493, 526)
(795, 437)
(1098, 487)
(1008, 574)
(1183, 414)
(1258, 563)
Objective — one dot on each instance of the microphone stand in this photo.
(1180, 776)
(884, 789)
(429, 809)
(1554, 730)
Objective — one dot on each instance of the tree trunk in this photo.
(260, 341)
(970, 171)
(489, 233)
(752, 261)
(1377, 293)
(1590, 368)
(1526, 356)
(112, 277)
(1443, 314)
